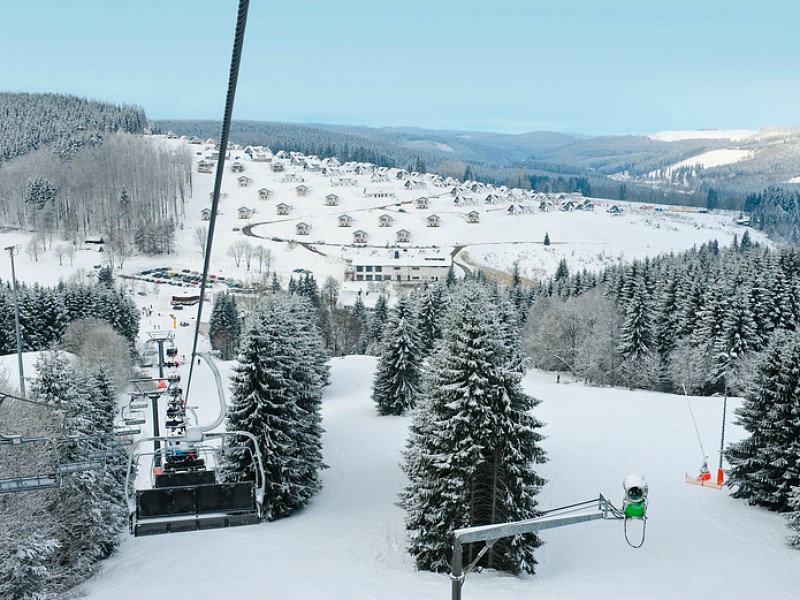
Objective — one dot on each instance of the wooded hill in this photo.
(63, 123)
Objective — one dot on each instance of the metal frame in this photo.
(492, 533)
(202, 443)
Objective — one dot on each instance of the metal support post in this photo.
(11, 250)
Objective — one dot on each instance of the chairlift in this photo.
(37, 464)
(184, 493)
(132, 417)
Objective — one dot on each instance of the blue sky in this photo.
(614, 67)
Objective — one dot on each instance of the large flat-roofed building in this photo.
(404, 268)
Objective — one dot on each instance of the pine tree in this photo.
(379, 316)
(562, 271)
(23, 570)
(636, 335)
(430, 316)
(224, 326)
(105, 276)
(546, 239)
(276, 394)
(473, 442)
(396, 385)
(766, 465)
(89, 508)
(360, 313)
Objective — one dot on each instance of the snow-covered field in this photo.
(712, 158)
(587, 239)
(350, 542)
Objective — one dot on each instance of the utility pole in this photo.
(11, 250)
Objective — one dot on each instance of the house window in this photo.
(415, 268)
(359, 268)
(369, 277)
(378, 269)
(369, 268)
(387, 277)
(397, 268)
(359, 278)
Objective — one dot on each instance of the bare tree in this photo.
(264, 256)
(200, 238)
(97, 344)
(59, 250)
(69, 250)
(237, 250)
(249, 251)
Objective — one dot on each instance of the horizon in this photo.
(576, 68)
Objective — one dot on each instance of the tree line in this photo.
(45, 313)
(131, 191)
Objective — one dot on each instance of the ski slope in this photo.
(350, 542)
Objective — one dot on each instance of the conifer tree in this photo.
(766, 464)
(473, 442)
(360, 313)
(276, 393)
(396, 385)
(379, 316)
(430, 316)
(224, 326)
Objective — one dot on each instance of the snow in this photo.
(713, 158)
(587, 239)
(349, 543)
(704, 134)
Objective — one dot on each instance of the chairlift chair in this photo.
(185, 495)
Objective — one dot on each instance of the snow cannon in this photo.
(635, 502)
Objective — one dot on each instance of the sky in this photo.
(617, 67)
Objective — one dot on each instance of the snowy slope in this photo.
(349, 543)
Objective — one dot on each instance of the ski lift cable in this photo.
(696, 430)
(236, 57)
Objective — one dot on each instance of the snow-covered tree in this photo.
(89, 508)
(224, 326)
(276, 393)
(766, 465)
(23, 566)
(396, 385)
(473, 441)
(430, 314)
(379, 316)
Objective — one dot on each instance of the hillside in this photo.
(64, 123)
(350, 542)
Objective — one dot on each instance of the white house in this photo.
(245, 212)
(360, 237)
(403, 236)
(205, 214)
(283, 208)
(385, 220)
(400, 267)
(244, 180)
(473, 216)
(345, 221)
(421, 202)
(302, 190)
(237, 167)
(303, 228)
(432, 220)
(264, 194)
(331, 200)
